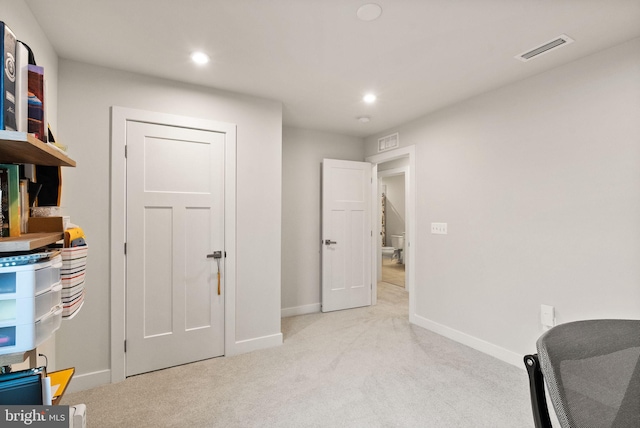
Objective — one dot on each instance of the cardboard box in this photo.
(46, 224)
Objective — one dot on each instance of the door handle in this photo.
(329, 242)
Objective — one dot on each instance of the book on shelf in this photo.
(4, 202)
(8, 81)
(36, 102)
(4, 227)
(24, 205)
(10, 187)
(22, 87)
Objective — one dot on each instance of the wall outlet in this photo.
(547, 316)
(439, 228)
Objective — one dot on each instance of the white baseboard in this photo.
(81, 382)
(255, 344)
(89, 380)
(300, 310)
(471, 341)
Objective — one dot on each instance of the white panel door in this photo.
(175, 219)
(346, 234)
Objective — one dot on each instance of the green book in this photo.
(11, 210)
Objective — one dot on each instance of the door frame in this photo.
(410, 202)
(118, 221)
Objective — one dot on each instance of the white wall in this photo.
(538, 182)
(302, 155)
(84, 116)
(17, 15)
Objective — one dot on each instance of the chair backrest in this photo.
(592, 372)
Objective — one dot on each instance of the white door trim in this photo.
(392, 172)
(410, 242)
(119, 118)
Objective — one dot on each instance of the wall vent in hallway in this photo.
(389, 142)
(559, 41)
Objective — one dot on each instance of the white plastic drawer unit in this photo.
(47, 300)
(30, 304)
(24, 337)
(47, 325)
(29, 280)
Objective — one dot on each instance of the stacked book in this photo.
(74, 262)
(22, 87)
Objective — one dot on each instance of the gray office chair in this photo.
(592, 372)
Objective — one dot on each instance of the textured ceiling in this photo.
(319, 60)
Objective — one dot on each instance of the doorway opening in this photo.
(399, 162)
(391, 194)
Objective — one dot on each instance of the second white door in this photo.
(175, 222)
(346, 234)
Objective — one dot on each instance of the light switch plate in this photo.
(439, 228)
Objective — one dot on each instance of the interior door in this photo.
(346, 234)
(175, 220)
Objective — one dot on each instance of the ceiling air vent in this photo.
(559, 41)
(389, 142)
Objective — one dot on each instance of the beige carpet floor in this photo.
(364, 367)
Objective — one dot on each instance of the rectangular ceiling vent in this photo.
(559, 41)
(389, 142)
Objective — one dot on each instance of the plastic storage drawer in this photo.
(24, 337)
(46, 301)
(47, 325)
(30, 298)
(48, 274)
(30, 309)
(29, 280)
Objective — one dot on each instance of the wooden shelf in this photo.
(24, 148)
(29, 241)
(20, 147)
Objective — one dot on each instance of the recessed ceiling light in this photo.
(364, 119)
(369, 12)
(369, 98)
(200, 58)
